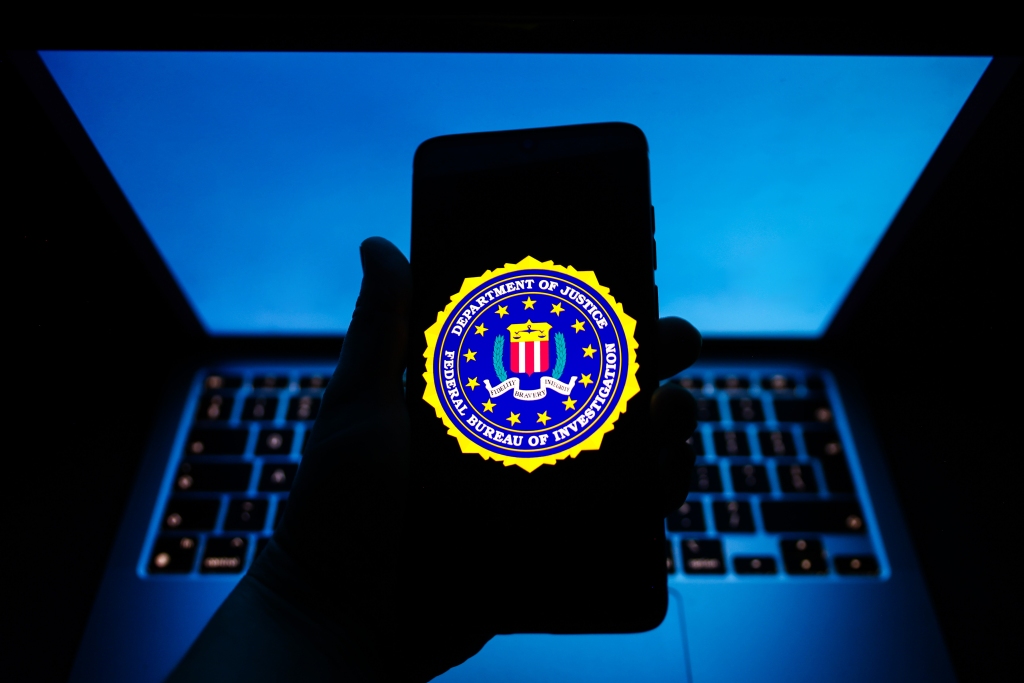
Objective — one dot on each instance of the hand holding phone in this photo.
(345, 587)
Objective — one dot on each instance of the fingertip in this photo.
(387, 278)
(674, 411)
(680, 344)
(379, 253)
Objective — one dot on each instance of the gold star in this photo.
(513, 418)
(472, 383)
(578, 326)
(469, 355)
(543, 418)
(528, 303)
(586, 381)
(557, 309)
(569, 403)
(588, 351)
(489, 407)
(480, 329)
(502, 311)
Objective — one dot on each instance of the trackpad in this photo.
(655, 656)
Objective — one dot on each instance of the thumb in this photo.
(674, 417)
(373, 353)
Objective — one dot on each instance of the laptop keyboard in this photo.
(229, 477)
(774, 492)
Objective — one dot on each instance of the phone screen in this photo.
(532, 362)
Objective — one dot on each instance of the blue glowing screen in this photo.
(258, 174)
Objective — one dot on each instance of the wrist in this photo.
(296, 595)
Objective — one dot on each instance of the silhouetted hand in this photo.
(328, 598)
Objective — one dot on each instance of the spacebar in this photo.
(823, 517)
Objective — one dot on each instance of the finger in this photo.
(355, 469)
(373, 353)
(369, 372)
(674, 416)
(679, 346)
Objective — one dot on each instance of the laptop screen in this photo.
(257, 175)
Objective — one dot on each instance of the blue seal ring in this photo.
(531, 363)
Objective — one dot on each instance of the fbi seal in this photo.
(531, 363)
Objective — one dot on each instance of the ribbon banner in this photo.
(532, 394)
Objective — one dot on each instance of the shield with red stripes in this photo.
(529, 356)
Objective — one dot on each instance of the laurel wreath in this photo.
(559, 356)
(499, 364)
(499, 353)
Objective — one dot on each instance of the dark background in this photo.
(94, 342)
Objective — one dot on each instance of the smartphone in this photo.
(532, 360)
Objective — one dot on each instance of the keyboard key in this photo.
(818, 516)
(750, 479)
(224, 555)
(778, 383)
(213, 407)
(173, 555)
(815, 383)
(213, 477)
(828, 448)
(731, 442)
(776, 443)
(261, 545)
(754, 565)
(282, 504)
(277, 477)
(259, 408)
(191, 514)
(691, 383)
(216, 441)
(274, 442)
(804, 556)
(856, 565)
(732, 382)
(746, 410)
(706, 479)
(269, 382)
(707, 410)
(733, 516)
(797, 479)
(823, 443)
(670, 560)
(703, 557)
(219, 381)
(803, 410)
(314, 381)
(689, 517)
(696, 442)
(247, 514)
(303, 408)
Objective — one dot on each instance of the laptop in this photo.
(780, 184)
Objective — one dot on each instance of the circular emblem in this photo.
(531, 363)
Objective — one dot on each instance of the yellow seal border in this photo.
(592, 442)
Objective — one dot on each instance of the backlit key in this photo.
(776, 443)
(746, 410)
(224, 555)
(731, 442)
(173, 555)
(703, 557)
(733, 516)
(749, 479)
(214, 407)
